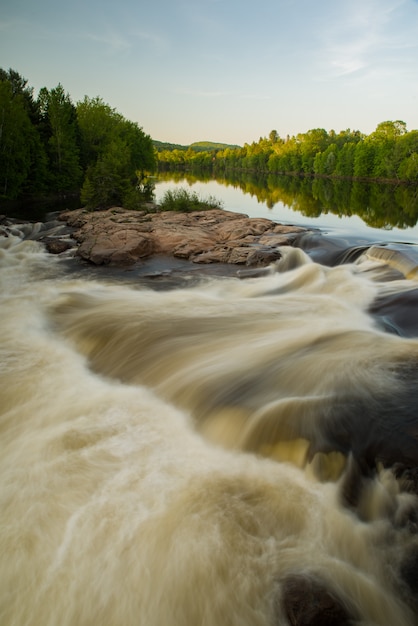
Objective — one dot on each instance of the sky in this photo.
(227, 71)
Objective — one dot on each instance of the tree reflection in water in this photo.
(379, 205)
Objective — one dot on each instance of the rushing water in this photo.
(237, 452)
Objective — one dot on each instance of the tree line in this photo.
(51, 146)
(390, 153)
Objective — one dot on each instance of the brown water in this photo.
(177, 457)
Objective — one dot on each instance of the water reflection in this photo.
(382, 206)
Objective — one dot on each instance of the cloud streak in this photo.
(361, 38)
(111, 40)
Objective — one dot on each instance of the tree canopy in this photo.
(52, 146)
(390, 153)
(116, 153)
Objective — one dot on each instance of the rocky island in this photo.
(120, 237)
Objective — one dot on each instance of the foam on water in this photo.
(177, 457)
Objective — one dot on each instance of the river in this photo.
(229, 451)
(376, 212)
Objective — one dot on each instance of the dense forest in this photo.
(390, 153)
(50, 146)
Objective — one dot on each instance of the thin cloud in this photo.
(111, 40)
(361, 38)
(351, 57)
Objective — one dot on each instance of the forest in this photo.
(50, 146)
(53, 147)
(389, 154)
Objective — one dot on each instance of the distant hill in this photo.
(210, 145)
(198, 146)
(164, 145)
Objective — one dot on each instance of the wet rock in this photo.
(263, 256)
(122, 246)
(308, 602)
(57, 246)
(407, 477)
(409, 572)
(396, 313)
(120, 237)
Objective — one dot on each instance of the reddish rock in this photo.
(120, 237)
(116, 247)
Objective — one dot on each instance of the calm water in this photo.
(255, 198)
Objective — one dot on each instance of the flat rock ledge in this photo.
(120, 237)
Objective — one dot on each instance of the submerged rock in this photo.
(121, 237)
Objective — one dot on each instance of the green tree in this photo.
(141, 149)
(407, 156)
(388, 130)
(311, 143)
(364, 160)
(345, 160)
(20, 87)
(98, 124)
(331, 159)
(274, 136)
(117, 154)
(408, 169)
(23, 159)
(384, 140)
(15, 156)
(60, 132)
(107, 181)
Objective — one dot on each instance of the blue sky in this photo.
(223, 70)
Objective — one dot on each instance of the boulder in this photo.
(57, 246)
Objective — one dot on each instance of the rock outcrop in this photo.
(121, 237)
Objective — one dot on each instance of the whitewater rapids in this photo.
(177, 457)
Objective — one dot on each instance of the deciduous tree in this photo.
(116, 154)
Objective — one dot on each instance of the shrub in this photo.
(185, 201)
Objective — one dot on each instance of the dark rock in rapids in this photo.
(308, 602)
(57, 246)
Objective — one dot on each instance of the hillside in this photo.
(210, 145)
(198, 146)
